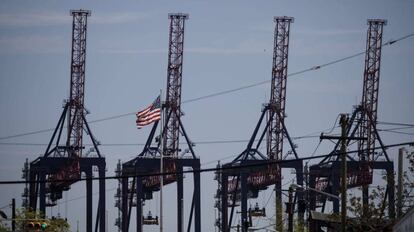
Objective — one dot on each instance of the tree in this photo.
(54, 224)
(376, 218)
(2, 227)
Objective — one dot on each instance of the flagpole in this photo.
(161, 160)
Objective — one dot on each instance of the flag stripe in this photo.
(150, 114)
(146, 110)
(140, 125)
(149, 117)
(148, 121)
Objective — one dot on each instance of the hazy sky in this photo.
(228, 44)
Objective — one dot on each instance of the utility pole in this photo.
(13, 214)
(400, 182)
(344, 176)
(343, 122)
(290, 210)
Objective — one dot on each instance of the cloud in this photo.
(247, 46)
(131, 51)
(224, 51)
(116, 18)
(327, 87)
(64, 18)
(331, 32)
(195, 50)
(34, 19)
(33, 44)
(28, 42)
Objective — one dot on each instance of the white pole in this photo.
(161, 159)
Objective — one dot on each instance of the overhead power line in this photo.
(315, 134)
(215, 169)
(313, 68)
(395, 124)
(397, 132)
(143, 144)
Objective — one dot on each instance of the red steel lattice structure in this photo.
(135, 193)
(362, 123)
(174, 80)
(62, 165)
(239, 185)
(278, 87)
(76, 111)
(370, 88)
(77, 81)
(369, 104)
(276, 113)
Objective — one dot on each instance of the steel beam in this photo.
(180, 199)
(89, 200)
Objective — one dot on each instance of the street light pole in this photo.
(343, 122)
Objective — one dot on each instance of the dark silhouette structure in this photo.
(62, 165)
(134, 193)
(237, 185)
(361, 126)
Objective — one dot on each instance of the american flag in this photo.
(150, 114)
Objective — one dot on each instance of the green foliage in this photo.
(297, 226)
(408, 183)
(53, 225)
(2, 226)
(376, 217)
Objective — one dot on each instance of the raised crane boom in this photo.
(369, 104)
(371, 88)
(278, 87)
(77, 82)
(174, 80)
(276, 113)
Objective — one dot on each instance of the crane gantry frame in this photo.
(246, 183)
(148, 161)
(62, 165)
(362, 122)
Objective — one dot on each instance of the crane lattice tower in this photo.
(276, 113)
(369, 104)
(174, 80)
(77, 82)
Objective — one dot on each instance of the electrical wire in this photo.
(83, 196)
(330, 131)
(313, 68)
(395, 124)
(316, 148)
(397, 128)
(398, 132)
(142, 144)
(214, 169)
